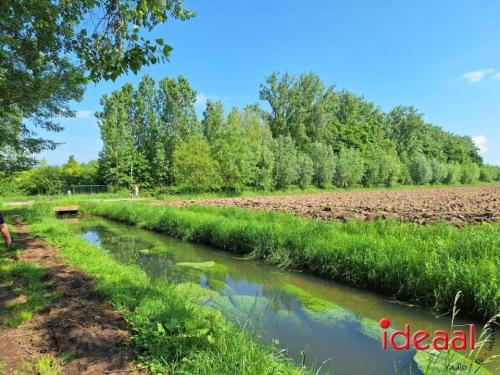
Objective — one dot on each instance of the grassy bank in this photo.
(171, 332)
(425, 264)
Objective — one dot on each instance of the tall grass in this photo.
(171, 332)
(425, 264)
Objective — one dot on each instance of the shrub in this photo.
(420, 170)
(323, 164)
(349, 169)
(489, 173)
(380, 168)
(439, 172)
(452, 173)
(305, 170)
(285, 161)
(469, 173)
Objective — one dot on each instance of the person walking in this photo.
(5, 231)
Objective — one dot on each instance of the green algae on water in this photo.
(203, 266)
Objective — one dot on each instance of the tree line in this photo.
(310, 135)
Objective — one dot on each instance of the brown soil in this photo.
(458, 205)
(78, 323)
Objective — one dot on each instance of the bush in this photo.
(469, 173)
(489, 173)
(349, 169)
(46, 179)
(420, 170)
(453, 172)
(380, 168)
(305, 170)
(194, 168)
(439, 172)
(285, 161)
(323, 164)
(263, 179)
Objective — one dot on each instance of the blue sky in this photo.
(443, 57)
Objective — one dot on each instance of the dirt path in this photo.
(458, 205)
(78, 325)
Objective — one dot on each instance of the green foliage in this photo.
(213, 120)
(50, 180)
(429, 264)
(194, 168)
(489, 173)
(349, 169)
(439, 172)
(305, 170)
(139, 130)
(420, 170)
(453, 173)
(380, 168)
(323, 163)
(235, 153)
(285, 161)
(51, 48)
(470, 173)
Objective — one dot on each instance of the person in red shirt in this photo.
(5, 231)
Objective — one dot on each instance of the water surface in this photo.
(334, 325)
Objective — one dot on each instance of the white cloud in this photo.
(202, 98)
(497, 76)
(481, 143)
(477, 75)
(83, 114)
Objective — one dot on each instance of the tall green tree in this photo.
(323, 164)
(213, 120)
(285, 161)
(233, 151)
(193, 165)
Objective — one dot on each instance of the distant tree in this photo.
(349, 167)
(234, 153)
(470, 173)
(439, 171)
(285, 161)
(489, 173)
(420, 170)
(194, 167)
(305, 170)
(453, 173)
(213, 120)
(45, 179)
(323, 164)
(298, 107)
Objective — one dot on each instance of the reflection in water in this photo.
(335, 325)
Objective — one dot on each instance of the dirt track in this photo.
(79, 322)
(458, 205)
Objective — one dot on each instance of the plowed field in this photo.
(458, 205)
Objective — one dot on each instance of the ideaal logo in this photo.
(440, 339)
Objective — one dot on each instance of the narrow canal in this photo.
(331, 325)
